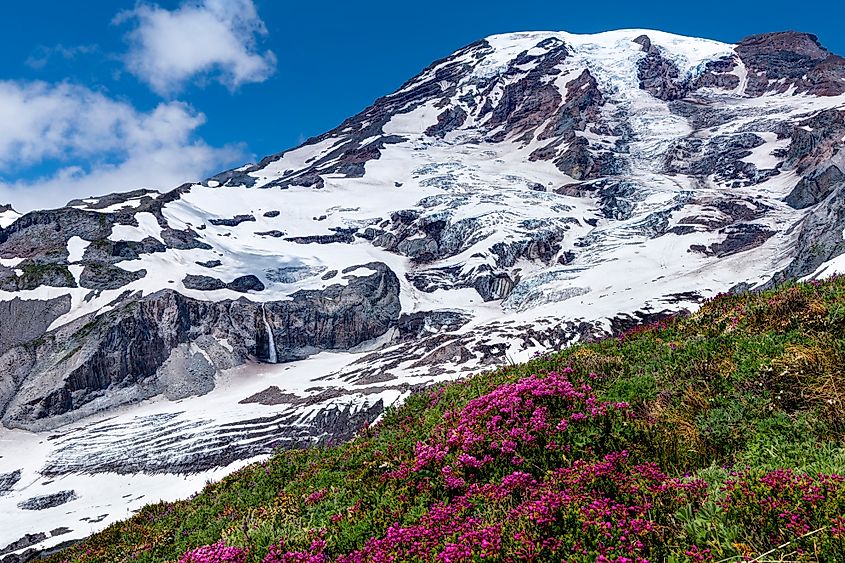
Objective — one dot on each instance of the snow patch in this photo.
(147, 227)
(76, 247)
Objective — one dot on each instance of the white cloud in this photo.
(201, 40)
(59, 126)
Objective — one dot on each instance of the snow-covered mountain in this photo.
(529, 191)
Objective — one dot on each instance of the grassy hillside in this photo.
(716, 437)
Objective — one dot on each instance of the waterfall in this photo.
(273, 357)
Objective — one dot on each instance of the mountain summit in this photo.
(527, 192)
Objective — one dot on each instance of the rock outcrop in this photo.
(122, 356)
(780, 61)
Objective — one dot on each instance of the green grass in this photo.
(750, 381)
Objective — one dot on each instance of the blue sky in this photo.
(123, 94)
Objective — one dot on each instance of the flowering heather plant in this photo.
(607, 510)
(545, 419)
(316, 496)
(804, 512)
(215, 553)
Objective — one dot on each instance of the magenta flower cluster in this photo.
(316, 496)
(215, 553)
(789, 506)
(538, 415)
(609, 510)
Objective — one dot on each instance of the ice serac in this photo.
(526, 192)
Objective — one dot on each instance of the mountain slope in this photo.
(706, 438)
(529, 191)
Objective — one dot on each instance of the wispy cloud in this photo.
(42, 54)
(200, 41)
(120, 147)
